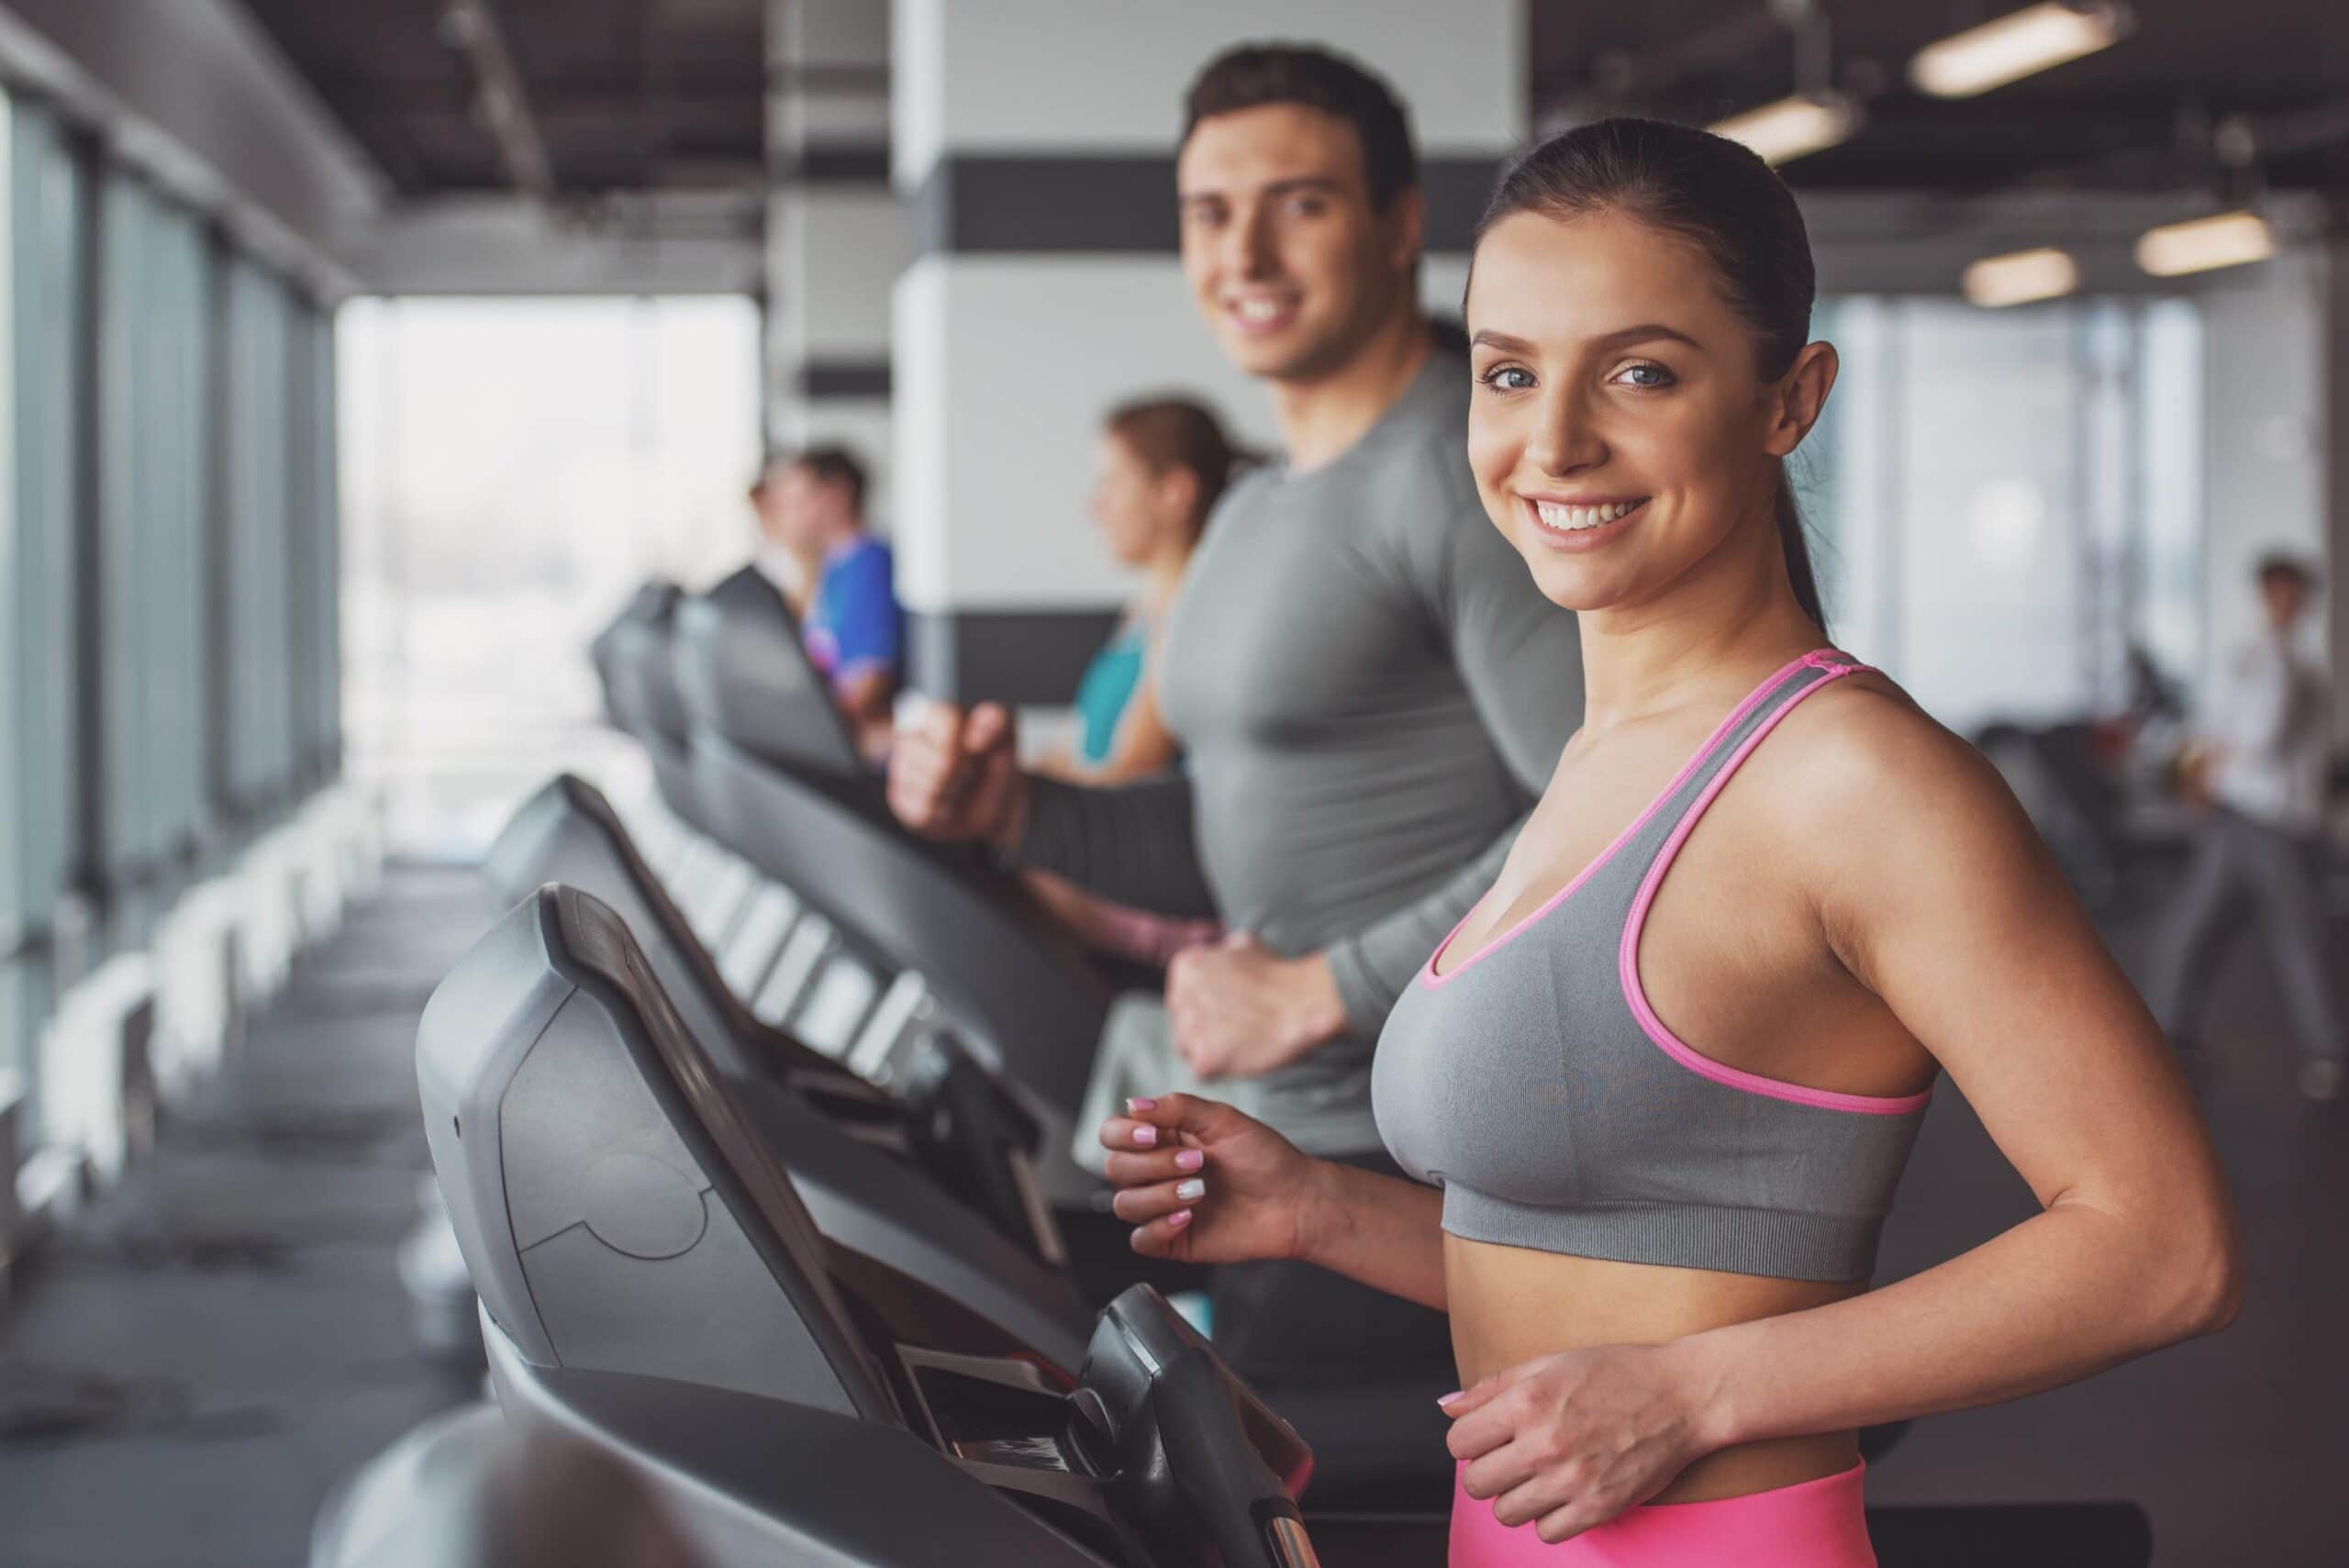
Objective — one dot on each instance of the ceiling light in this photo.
(1792, 127)
(2019, 277)
(2230, 239)
(2019, 44)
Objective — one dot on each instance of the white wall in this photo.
(1002, 369)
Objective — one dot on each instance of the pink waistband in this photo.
(1811, 1524)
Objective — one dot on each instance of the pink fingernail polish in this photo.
(1190, 1160)
(1138, 1107)
(1179, 1218)
(1146, 1136)
(1448, 1398)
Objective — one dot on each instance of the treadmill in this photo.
(653, 1282)
(776, 778)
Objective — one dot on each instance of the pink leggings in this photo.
(1813, 1524)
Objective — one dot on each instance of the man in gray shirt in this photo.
(1368, 688)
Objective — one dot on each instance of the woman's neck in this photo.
(1733, 611)
(1161, 576)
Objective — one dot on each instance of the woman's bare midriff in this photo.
(1511, 1305)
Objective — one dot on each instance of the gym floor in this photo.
(213, 1345)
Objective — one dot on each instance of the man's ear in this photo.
(1404, 222)
(1798, 396)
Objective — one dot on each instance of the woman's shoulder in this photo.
(1861, 753)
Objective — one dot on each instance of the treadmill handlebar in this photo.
(1190, 1447)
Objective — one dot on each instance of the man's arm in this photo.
(1135, 843)
(1520, 658)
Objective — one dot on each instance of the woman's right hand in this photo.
(1206, 1183)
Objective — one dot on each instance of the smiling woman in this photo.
(1670, 1068)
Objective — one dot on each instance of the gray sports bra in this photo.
(1536, 1085)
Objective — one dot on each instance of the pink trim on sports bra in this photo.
(1823, 658)
(1628, 959)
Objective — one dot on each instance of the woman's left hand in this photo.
(1572, 1441)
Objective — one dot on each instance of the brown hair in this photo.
(1721, 198)
(835, 465)
(1176, 432)
(1256, 74)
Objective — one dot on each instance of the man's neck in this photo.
(1321, 419)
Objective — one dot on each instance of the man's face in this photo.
(1288, 260)
(814, 511)
(2287, 599)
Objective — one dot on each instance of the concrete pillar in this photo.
(1034, 142)
(836, 232)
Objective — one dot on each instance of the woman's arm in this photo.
(1938, 895)
(1206, 1184)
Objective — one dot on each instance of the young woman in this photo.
(1163, 463)
(1663, 1080)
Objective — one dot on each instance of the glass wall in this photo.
(167, 559)
(513, 469)
(2010, 502)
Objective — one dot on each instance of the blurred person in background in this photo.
(1367, 687)
(778, 553)
(2261, 772)
(839, 580)
(1162, 463)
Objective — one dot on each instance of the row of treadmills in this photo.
(751, 1123)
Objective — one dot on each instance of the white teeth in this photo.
(1258, 309)
(1574, 520)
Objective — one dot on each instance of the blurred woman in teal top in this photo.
(1163, 464)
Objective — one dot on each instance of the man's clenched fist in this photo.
(953, 775)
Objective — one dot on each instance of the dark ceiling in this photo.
(2138, 115)
(666, 94)
(626, 94)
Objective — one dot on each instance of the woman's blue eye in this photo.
(1645, 374)
(1498, 378)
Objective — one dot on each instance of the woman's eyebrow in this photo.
(1646, 332)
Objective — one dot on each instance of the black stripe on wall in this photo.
(977, 205)
(820, 379)
(840, 163)
(1013, 656)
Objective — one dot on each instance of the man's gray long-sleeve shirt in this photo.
(1369, 690)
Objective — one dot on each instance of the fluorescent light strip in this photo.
(1792, 127)
(2019, 44)
(2019, 277)
(2204, 244)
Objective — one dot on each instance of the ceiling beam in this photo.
(473, 27)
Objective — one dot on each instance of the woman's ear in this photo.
(1177, 490)
(1798, 396)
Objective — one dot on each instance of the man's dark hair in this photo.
(1256, 74)
(835, 465)
(2278, 567)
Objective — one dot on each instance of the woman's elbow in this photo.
(2211, 1283)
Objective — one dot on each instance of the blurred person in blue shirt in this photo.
(811, 512)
